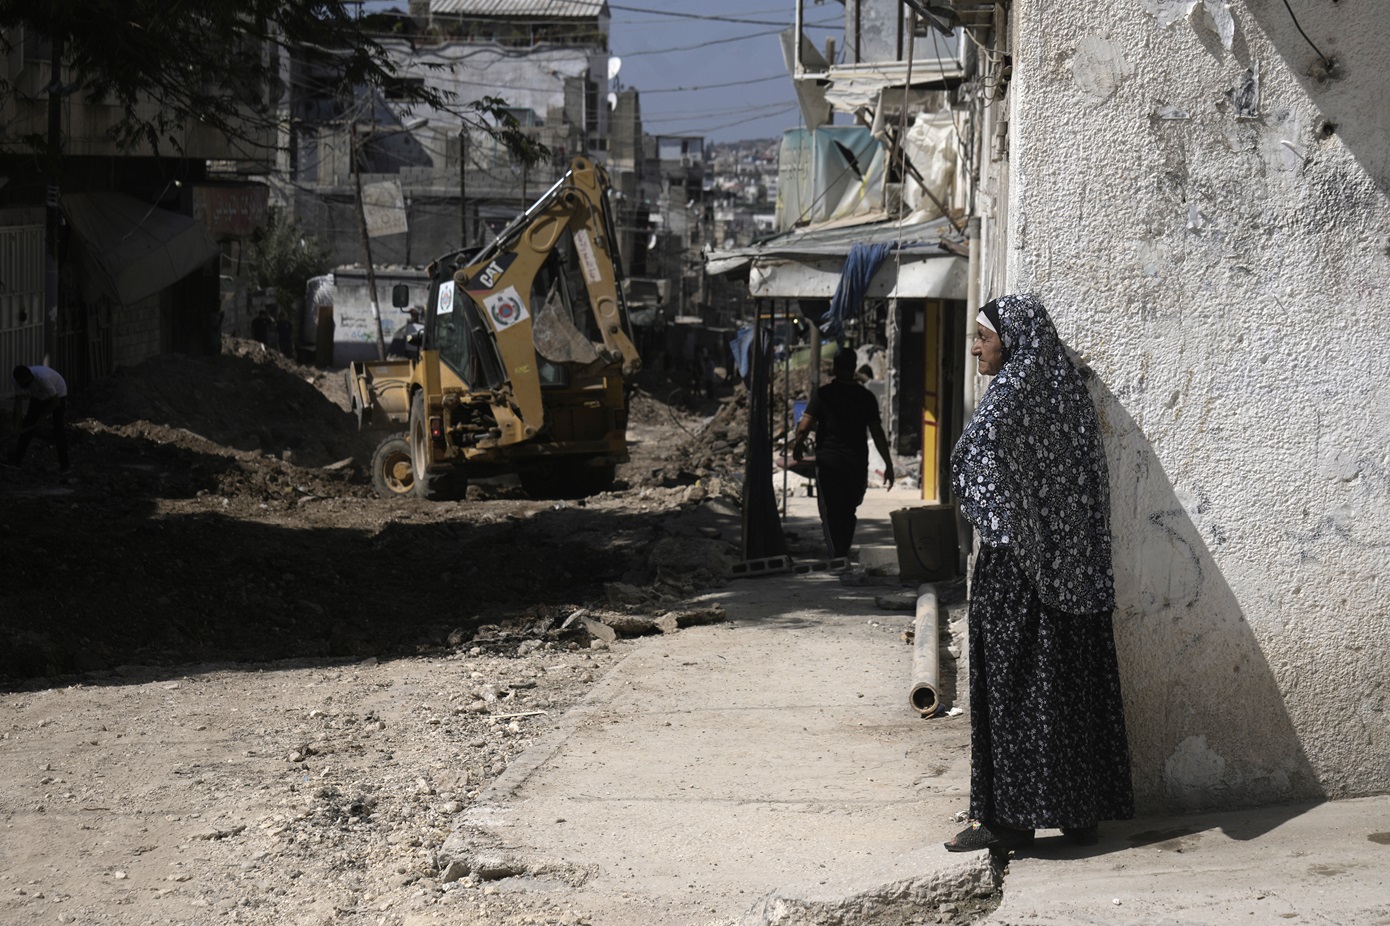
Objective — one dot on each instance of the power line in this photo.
(709, 114)
(680, 15)
(732, 83)
(729, 125)
(1325, 60)
(724, 41)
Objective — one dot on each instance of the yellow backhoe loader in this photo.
(523, 362)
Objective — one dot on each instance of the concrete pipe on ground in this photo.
(924, 695)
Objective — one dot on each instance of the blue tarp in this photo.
(860, 266)
(738, 346)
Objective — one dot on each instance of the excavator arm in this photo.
(525, 356)
(528, 327)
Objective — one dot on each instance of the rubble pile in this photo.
(267, 694)
(246, 399)
(720, 445)
(219, 510)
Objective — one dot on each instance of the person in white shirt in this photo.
(47, 393)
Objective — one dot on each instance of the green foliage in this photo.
(503, 126)
(284, 260)
(214, 63)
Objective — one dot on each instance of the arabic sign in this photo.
(230, 211)
(384, 206)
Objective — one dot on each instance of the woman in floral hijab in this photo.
(1048, 743)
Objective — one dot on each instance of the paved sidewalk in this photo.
(771, 770)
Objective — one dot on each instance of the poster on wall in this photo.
(384, 206)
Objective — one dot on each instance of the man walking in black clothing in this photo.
(844, 415)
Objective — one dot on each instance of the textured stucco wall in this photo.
(137, 332)
(1227, 279)
(532, 78)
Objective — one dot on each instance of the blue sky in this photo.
(701, 76)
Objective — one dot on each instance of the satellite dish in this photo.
(615, 64)
(612, 101)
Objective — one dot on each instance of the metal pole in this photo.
(755, 382)
(463, 187)
(924, 695)
(367, 246)
(797, 67)
(972, 309)
(788, 408)
(53, 215)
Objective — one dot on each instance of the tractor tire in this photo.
(393, 474)
(435, 487)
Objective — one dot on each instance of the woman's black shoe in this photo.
(978, 836)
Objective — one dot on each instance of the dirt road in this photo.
(239, 688)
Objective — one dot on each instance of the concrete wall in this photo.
(137, 331)
(86, 125)
(534, 80)
(1223, 264)
(355, 323)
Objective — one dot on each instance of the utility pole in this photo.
(367, 245)
(463, 187)
(53, 215)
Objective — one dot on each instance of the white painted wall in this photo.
(354, 321)
(1228, 281)
(531, 78)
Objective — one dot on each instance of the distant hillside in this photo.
(728, 155)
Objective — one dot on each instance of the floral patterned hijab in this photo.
(1029, 471)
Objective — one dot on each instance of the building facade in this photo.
(131, 269)
(1200, 192)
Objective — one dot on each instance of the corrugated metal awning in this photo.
(853, 86)
(937, 276)
(138, 249)
(807, 264)
(547, 9)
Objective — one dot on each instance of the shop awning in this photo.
(807, 264)
(138, 249)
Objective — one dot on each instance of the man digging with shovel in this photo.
(47, 393)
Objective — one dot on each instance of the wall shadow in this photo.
(873, 531)
(1350, 94)
(102, 573)
(1208, 724)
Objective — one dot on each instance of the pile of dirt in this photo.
(219, 510)
(245, 399)
(243, 689)
(720, 444)
(239, 687)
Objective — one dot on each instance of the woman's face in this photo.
(989, 349)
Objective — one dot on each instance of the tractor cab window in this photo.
(462, 341)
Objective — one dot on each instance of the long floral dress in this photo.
(1048, 741)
